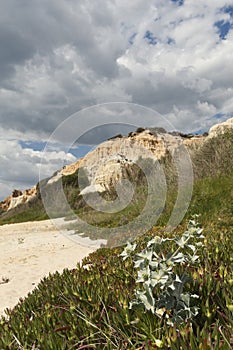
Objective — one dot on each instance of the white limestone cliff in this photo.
(110, 162)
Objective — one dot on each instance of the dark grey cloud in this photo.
(14, 50)
(35, 37)
(104, 132)
(41, 26)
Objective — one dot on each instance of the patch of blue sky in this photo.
(178, 2)
(228, 9)
(78, 150)
(132, 38)
(221, 117)
(34, 145)
(170, 41)
(151, 38)
(223, 28)
(218, 116)
(81, 150)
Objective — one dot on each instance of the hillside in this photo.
(116, 160)
(89, 307)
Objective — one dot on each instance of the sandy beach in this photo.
(28, 252)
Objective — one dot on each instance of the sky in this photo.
(59, 57)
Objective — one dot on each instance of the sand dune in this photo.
(28, 252)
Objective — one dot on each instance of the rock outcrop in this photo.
(110, 162)
(66, 170)
(18, 197)
(221, 128)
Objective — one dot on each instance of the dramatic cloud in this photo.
(57, 57)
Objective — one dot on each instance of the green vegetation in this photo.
(213, 198)
(89, 307)
(33, 211)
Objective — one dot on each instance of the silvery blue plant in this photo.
(161, 289)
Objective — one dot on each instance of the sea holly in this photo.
(143, 274)
(144, 297)
(144, 258)
(161, 288)
(128, 250)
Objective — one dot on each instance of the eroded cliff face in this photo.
(221, 128)
(18, 197)
(112, 161)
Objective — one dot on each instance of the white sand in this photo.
(28, 252)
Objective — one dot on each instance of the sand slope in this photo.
(28, 252)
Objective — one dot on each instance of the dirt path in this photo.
(28, 252)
